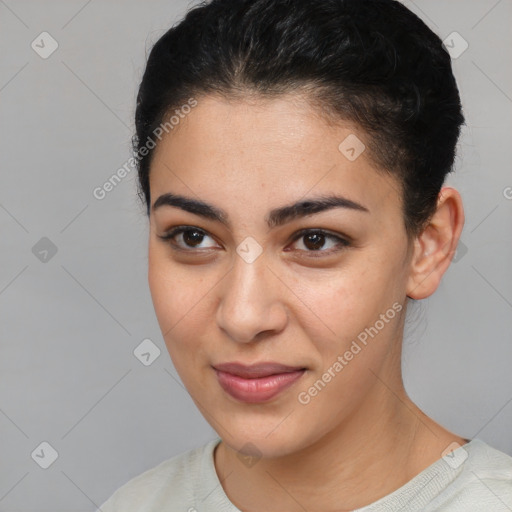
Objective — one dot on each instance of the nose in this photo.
(252, 301)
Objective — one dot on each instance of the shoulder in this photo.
(170, 482)
(483, 483)
(488, 463)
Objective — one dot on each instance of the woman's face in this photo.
(249, 286)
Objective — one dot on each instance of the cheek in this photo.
(347, 307)
(180, 300)
(341, 301)
(173, 294)
(363, 342)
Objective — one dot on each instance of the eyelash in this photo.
(343, 242)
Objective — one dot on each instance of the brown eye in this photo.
(187, 238)
(319, 241)
(192, 237)
(314, 241)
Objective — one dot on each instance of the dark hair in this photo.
(370, 62)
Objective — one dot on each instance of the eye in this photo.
(319, 241)
(187, 238)
(315, 242)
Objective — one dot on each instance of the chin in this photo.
(270, 438)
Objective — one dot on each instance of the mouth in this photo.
(256, 383)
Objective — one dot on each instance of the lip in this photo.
(258, 382)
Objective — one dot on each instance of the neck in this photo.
(379, 448)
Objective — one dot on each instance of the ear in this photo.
(435, 247)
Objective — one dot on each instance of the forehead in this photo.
(255, 151)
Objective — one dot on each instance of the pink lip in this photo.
(258, 382)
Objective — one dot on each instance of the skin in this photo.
(249, 156)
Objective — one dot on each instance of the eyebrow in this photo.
(275, 217)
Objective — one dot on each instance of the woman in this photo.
(292, 156)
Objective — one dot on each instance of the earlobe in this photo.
(435, 247)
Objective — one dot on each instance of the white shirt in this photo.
(473, 478)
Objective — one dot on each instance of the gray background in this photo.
(70, 323)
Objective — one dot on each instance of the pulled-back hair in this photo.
(369, 62)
